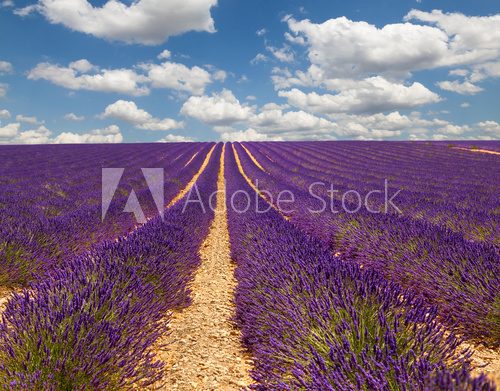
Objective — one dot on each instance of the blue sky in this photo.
(74, 71)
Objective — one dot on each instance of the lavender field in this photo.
(338, 265)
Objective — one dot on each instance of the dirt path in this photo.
(186, 189)
(252, 157)
(4, 297)
(485, 361)
(478, 150)
(190, 160)
(204, 350)
(251, 184)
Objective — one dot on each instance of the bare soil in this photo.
(4, 297)
(485, 360)
(204, 351)
(186, 189)
(253, 158)
(478, 150)
(251, 184)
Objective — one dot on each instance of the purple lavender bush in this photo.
(314, 321)
(50, 205)
(459, 275)
(94, 322)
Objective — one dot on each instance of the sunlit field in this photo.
(311, 265)
(205, 195)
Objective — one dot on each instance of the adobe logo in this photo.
(155, 181)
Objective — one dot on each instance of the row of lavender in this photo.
(94, 322)
(444, 186)
(318, 322)
(50, 203)
(458, 275)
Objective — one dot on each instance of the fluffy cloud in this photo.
(74, 117)
(3, 90)
(490, 127)
(292, 123)
(4, 114)
(124, 81)
(40, 135)
(172, 138)
(178, 77)
(478, 73)
(28, 120)
(374, 94)
(453, 129)
(247, 135)
(218, 109)
(283, 54)
(164, 55)
(362, 49)
(471, 39)
(82, 66)
(9, 130)
(148, 22)
(483, 71)
(5, 67)
(83, 75)
(128, 111)
(443, 130)
(260, 57)
(367, 65)
(397, 49)
(220, 75)
(11, 134)
(459, 72)
(223, 111)
(464, 88)
(278, 122)
(235, 120)
(110, 134)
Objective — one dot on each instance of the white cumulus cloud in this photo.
(178, 77)
(343, 48)
(74, 117)
(148, 22)
(164, 55)
(125, 81)
(283, 54)
(108, 135)
(463, 88)
(128, 111)
(9, 130)
(12, 134)
(3, 90)
(5, 67)
(40, 135)
(247, 135)
(83, 75)
(173, 138)
(490, 127)
(4, 114)
(374, 94)
(28, 120)
(218, 109)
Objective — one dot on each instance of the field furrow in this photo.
(203, 346)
